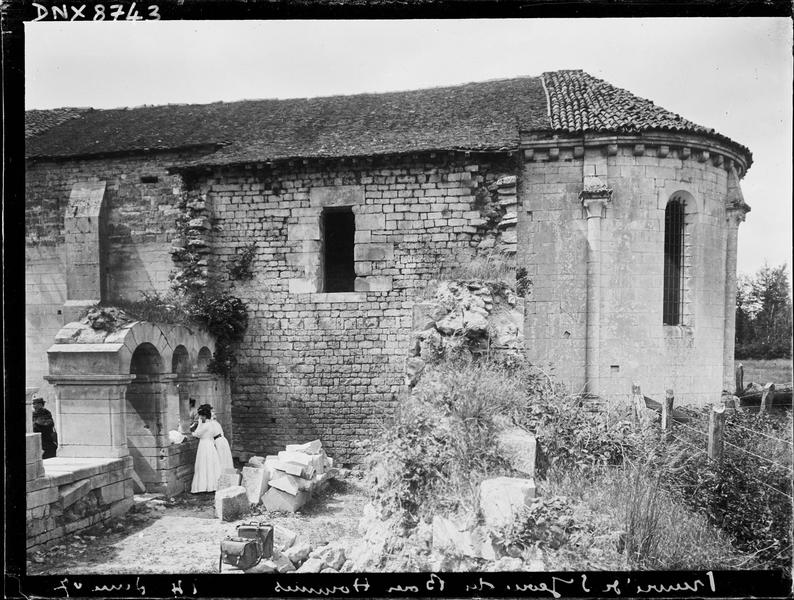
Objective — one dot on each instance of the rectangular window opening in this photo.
(339, 231)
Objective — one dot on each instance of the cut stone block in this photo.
(41, 497)
(255, 482)
(299, 553)
(519, 447)
(301, 458)
(275, 464)
(231, 503)
(34, 470)
(312, 447)
(33, 447)
(256, 461)
(313, 565)
(285, 536)
(275, 499)
(332, 556)
(72, 492)
(227, 480)
(112, 493)
(291, 484)
(283, 564)
(502, 498)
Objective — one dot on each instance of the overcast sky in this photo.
(734, 75)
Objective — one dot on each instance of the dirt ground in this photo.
(183, 536)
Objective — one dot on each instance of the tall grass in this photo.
(654, 531)
(485, 266)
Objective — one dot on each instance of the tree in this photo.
(763, 314)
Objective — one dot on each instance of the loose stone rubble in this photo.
(502, 498)
(464, 316)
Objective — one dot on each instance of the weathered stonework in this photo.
(634, 344)
(496, 167)
(326, 365)
(140, 226)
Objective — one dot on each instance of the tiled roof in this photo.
(477, 116)
(39, 121)
(481, 116)
(580, 102)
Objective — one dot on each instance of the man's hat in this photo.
(38, 400)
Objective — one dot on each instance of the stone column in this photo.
(92, 409)
(171, 417)
(734, 215)
(595, 198)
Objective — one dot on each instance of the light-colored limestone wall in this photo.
(45, 294)
(635, 346)
(65, 496)
(329, 366)
(687, 358)
(552, 233)
(140, 227)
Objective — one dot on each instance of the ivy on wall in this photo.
(194, 299)
(240, 268)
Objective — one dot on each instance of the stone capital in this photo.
(736, 214)
(595, 196)
(595, 206)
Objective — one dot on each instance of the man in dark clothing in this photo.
(43, 424)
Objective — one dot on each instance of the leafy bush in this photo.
(546, 523)
(573, 432)
(222, 314)
(440, 444)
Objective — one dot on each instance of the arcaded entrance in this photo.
(144, 414)
(121, 392)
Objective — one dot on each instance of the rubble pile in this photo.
(295, 474)
(464, 316)
(454, 543)
(284, 482)
(292, 555)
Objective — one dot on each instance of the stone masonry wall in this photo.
(330, 366)
(635, 345)
(69, 496)
(140, 217)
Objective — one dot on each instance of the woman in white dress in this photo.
(222, 445)
(208, 467)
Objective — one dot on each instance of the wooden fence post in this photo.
(767, 397)
(667, 414)
(716, 430)
(739, 379)
(638, 402)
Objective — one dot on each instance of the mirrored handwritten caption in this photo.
(96, 12)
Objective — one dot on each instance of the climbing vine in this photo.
(240, 268)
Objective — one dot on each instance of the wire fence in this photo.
(691, 428)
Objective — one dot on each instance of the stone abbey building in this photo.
(623, 214)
